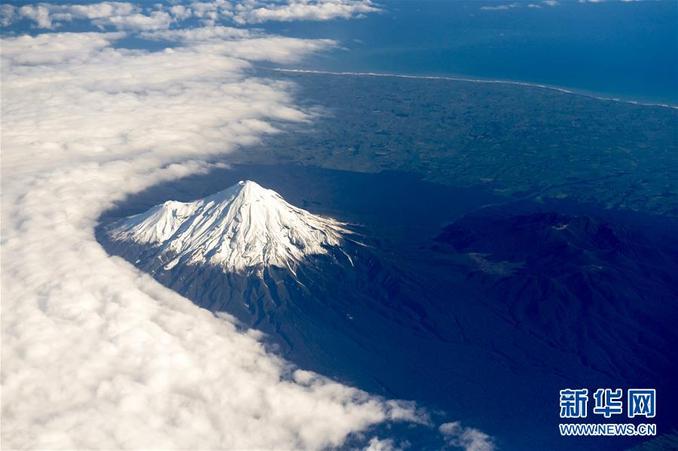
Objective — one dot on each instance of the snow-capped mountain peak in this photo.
(243, 227)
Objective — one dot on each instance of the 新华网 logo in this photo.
(608, 403)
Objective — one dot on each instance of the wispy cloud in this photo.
(615, 1)
(466, 438)
(315, 10)
(508, 6)
(501, 7)
(376, 444)
(106, 14)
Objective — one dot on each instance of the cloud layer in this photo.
(508, 6)
(96, 354)
(129, 16)
(538, 4)
(466, 438)
(316, 10)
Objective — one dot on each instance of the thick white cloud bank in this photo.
(96, 354)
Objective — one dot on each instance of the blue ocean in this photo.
(618, 49)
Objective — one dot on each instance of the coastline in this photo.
(559, 89)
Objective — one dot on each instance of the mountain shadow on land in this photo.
(497, 313)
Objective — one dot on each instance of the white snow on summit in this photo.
(243, 227)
